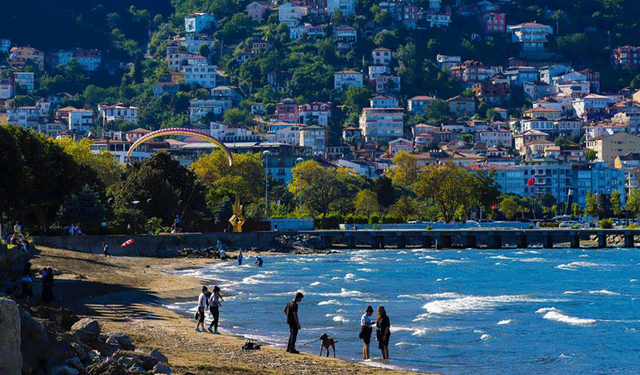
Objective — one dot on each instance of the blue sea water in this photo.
(531, 311)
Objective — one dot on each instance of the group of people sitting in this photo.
(74, 230)
(17, 237)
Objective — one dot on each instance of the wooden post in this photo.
(446, 241)
(381, 241)
(323, 241)
(351, 240)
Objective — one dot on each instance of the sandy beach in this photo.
(127, 294)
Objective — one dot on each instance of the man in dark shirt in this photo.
(294, 324)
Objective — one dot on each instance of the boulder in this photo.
(145, 361)
(34, 344)
(10, 355)
(64, 370)
(75, 363)
(155, 353)
(137, 369)
(64, 317)
(106, 368)
(161, 368)
(123, 340)
(105, 350)
(86, 330)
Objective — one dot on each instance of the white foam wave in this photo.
(315, 283)
(575, 265)
(329, 302)
(349, 276)
(344, 293)
(473, 303)
(485, 337)
(445, 262)
(402, 343)
(633, 280)
(367, 270)
(501, 257)
(559, 317)
(505, 322)
(340, 319)
(546, 309)
(604, 292)
(532, 260)
(430, 296)
(572, 292)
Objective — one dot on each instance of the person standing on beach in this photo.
(105, 248)
(214, 308)
(383, 332)
(202, 304)
(47, 286)
(223, 255)
(366, 330)
(294, 324)
(240, 258)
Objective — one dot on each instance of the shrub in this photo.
(360, 219)
(605, 223)
(576, 226)
(331, 221)
(428, 227)
(633, 226)
(374, 219)
(530, 226)
(391, 219)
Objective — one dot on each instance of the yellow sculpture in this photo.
(237, 220)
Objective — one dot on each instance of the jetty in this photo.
(475, 238)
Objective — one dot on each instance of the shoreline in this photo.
(131, 295)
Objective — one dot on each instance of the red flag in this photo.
(531, 181)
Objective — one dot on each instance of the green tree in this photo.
(204, 50)
(85, 208)
(590, 155)
(591, 207)
(633, 202)
(509, 207)
(406, 170)
(108, 170)
(575, 209)
(443, 183)
(615, 202)
(367, 203)
(337, 18)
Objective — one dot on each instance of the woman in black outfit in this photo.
(47, 286)
(383, 332)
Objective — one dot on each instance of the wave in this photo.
(572, 292)
(574, 265)
(501, 257)
(604, 292)
(473, 303)
(485, 337)
(428, 296)
(445, 262)
(315, 283)
(329, 302)
(532, 260)
(367, 270)
(441, 280)
(505, 322)
(559, 317)
(344, 293)
(349, 276)
(402, 343)
(340, 319)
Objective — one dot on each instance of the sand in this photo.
(127, 294)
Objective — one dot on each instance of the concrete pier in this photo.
(493, 238)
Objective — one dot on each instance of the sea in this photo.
(510, 311)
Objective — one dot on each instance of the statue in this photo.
(237, 220)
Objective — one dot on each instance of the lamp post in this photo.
(298, 161)
(266, 154)
(135, 223)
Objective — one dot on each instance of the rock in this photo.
(56, 272)
(34, 344)
(123, 340)
(64, 370)
(10, 355)
(137, 369)
(86, 330)
(105, 350)
(146, 361)
(155, 353)
(94, 356)
(106, 368)
(75, 363)
(161, 368)
(112, 341)
(79, 349)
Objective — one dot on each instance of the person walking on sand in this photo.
(105, 249)
(292, 320)
(47, 286)
(202, 304)
(214, 308)
(240, 258)
(366, 330)
(383, 332)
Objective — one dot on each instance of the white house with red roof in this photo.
(257, 9)
(344, 79)
(417, 103)
(400, 144)
(199, 71)
(532, 36)
(381, 56)
(120, 111)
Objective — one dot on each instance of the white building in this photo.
(400, 144)
(198, 22)
(383, 101)
(539, 123)
(90, 59)
(291, 14)
(381, 56)
(7, 89)
(532, 36)
(376, 70)
(418, 103)
(348, 7)
(437, 19)
(193, 42)
(199, 72)
(347, 78)
(120, 111)
(289, 134)
(318, 111)
(81, 120)
(176, 57)
(445, 61)
(591, 101)
(25, 79)
(384, 124)
(495, 137)
(315, 138)
(346, 37)
(26, 117)
(199, 108)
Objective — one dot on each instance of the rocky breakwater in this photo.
(44, 340)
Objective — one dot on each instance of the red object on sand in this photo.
(127, 242)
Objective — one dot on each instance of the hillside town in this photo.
(541, 125)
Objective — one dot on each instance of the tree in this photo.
(443, 184)
(615, 202)
(509, 207)
(337, 18)
(575, 209)
(437, 111)
(238, 116)
(384, 191)
(109, 171)
(633, 202)
(204, 50)
(547, 199)
(406, 170)
(85, 208)
(484, 191)
(406, 208)
(591, 207)
(590, 155)
(367, 203)
(324, 188)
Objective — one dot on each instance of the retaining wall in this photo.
(165, 245)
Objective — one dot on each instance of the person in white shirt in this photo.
(365, 330)
(202, 305)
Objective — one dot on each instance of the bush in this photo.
(530, 226)
(374, 219)
(575, 227)
(633, 226)
(391, 219)
(331, 221)
(605, 223)
(428, 227)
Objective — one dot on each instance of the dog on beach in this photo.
(326, 342)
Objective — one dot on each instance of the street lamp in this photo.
(266, 154)
(135, 223)
(298, 161)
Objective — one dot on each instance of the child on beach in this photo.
(214, 308)
(202, 304)
(366, 330)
